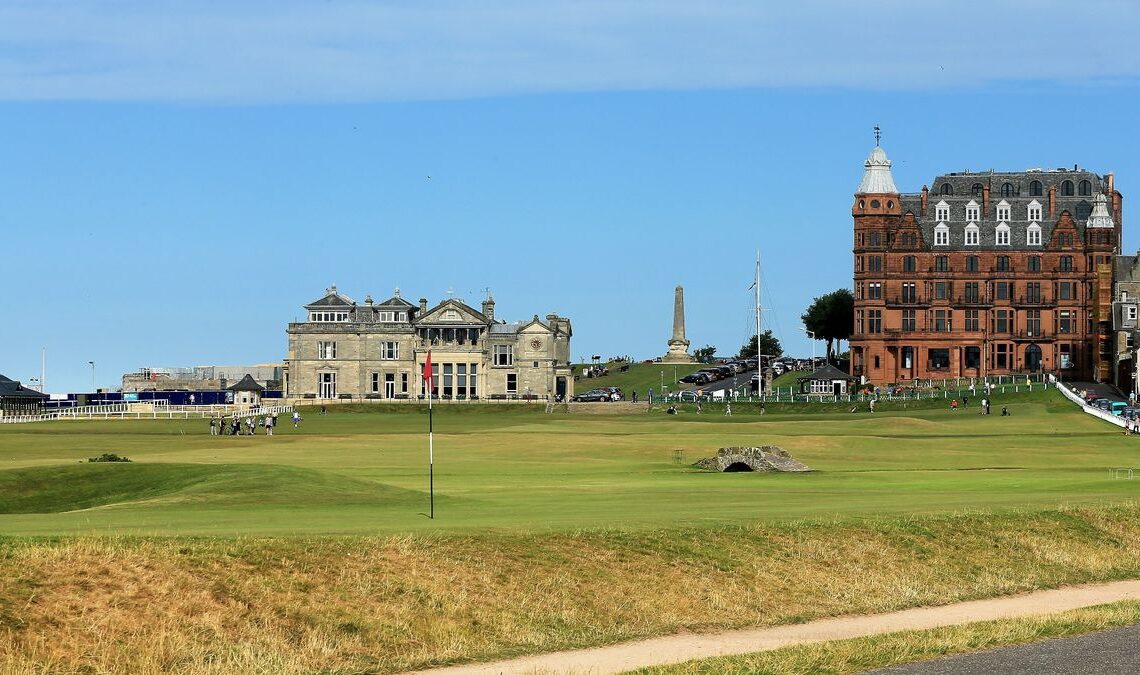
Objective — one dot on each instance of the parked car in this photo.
(694, 378)
(1118, 407)
(615, 393)
(1091, 396)
(1102, 403)
(592, 396)
(1130, 413)
(688, 396)
(725, 371)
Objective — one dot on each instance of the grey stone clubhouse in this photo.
(376, 350)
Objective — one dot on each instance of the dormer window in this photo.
(942, 211)
(328, 317)
(1003, 211)
(1084, 188)
(1001, 235)
(1033, 211)
(971, 235)
(973, 211)
(947, 189)
(1033, 235)
(942, 236)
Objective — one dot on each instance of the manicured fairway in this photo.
(360, 472)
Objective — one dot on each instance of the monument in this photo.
(678, 345)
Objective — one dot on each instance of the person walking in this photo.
(222, 425)
(871, 404)
(191, 399)
(296, 419)
(269, 425)
(213, 426)
(251, 425)
(728, 409)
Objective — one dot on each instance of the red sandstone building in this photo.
(982, 274)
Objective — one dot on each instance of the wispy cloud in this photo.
(338, 50)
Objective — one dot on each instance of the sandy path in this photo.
(679, 648)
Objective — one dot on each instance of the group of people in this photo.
(247, 426)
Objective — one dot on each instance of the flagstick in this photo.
(431, 457)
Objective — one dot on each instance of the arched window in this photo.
(1085, 188)
(977, 189)
(1067, 188)
(1007, 190)
(1035, 189)
(1083, 210)
(947, 189)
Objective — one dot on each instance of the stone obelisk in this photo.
(678, 345)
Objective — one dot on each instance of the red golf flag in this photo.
(427, 368)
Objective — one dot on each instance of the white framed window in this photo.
(1003, 210)
(971, 235)
(504, 355)
(387, 317)
(401, 317)
(328, 317)
(942, 211)
(973, 211)
(1001, 235)
(941, 235)
(1033, 211)
(1130, 311)
(389, 350)
(326, 350)
(1033, 235)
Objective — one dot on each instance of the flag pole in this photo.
(428, 372)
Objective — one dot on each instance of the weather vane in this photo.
(878, 134)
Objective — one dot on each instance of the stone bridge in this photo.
(763, 458)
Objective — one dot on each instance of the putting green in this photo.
(513, 468)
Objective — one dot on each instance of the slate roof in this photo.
(457, 304)
(331, 299)
(827, 372)
(246, 383)
(962, 185)
(13, 389)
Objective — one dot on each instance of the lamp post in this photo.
(812, 336)
(92, 376)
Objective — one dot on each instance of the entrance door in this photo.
(837, 388)
(390, 385)
(1033, 358)
(326, 385)
(560, 388)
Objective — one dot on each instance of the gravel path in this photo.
(679, 648)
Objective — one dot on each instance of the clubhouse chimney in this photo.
(489, 308)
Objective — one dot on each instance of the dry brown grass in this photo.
(183, 605)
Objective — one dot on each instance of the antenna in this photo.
(490, 295)
(878, 134)
(450, 292)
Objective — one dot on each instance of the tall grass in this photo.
(380, 604)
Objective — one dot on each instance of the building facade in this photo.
(981, 274)
(201, 378)
(1125, 324)
(377, 351)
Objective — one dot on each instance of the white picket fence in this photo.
(147, 410)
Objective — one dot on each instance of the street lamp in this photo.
(813, 338)
(92, 376)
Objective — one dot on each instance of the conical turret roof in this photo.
(877, 178)
(1100, 217)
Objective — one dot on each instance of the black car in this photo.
(694, 378)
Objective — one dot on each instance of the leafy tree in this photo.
(831, 317)
(704, 354)
(769, 346)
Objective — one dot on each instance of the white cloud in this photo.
(337, 50)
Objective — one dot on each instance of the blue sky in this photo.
(178, 179)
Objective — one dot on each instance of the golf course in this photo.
(312, 550)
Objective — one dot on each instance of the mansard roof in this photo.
(331, 300)
(395, 302)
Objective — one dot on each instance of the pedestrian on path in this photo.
(213, 426)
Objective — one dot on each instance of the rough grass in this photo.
(863, 654)
(341, 605)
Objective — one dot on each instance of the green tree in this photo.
(831, 317)
(704, 354)
(769, 346)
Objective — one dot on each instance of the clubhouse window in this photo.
(504, 355)
(908, 320)
(942, 320)
(389, 350)
(875, 291)
(328, 317)
(973, 357)
(972, 322)
(908, 357)
(512, 383)
(939, 359)
(1001, 356)
(326, 350)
